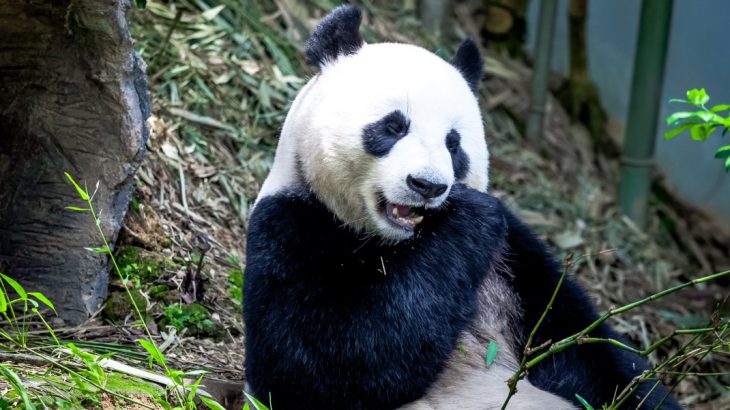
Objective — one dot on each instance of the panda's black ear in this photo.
(335, 35)
(468, 60)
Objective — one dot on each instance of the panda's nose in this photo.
(426, 188)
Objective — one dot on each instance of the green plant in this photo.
(705, 340)
(701, 122)
(185, 394)
(235, 286)
(192, 316)
(87, 384)
(18, 321)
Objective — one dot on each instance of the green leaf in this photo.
(723, 152)
(154, 352)
(680, 115)
(720, 107)
(698, 97)
(177, 376)
(584, 402)
(77, 209)
(212, 404)
(43, 299)
(3, 302)
(141, 4)
(98, 250)
(81, 192)
(193, 390)
(256, 404)
(492, 352)
(15, 285)
(17, 384)
(676, 131)
(727, 164)
(699, 133)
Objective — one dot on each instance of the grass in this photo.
(77, 378)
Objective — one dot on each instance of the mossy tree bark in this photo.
(73, 97)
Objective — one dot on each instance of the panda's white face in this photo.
(382, 134)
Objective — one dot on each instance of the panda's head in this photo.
(384, 131)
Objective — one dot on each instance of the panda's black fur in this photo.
(318, 301)
(336, 320)
(337, 34)
(322, 303)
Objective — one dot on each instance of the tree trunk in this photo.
(73, 97)
(581, 95)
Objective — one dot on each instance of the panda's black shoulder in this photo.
(291, 220)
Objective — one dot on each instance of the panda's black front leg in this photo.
(597, 372)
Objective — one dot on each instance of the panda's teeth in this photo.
(403, 215)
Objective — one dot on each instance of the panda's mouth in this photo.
(402, 216)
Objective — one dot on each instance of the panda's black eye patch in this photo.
(459, 159)
(380, 136)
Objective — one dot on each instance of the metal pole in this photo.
(637, 164)
(543, 52)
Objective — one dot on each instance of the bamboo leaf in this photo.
(491, 352)
(43, 299)
(3, 302)
(584, 402)
(193, 389)
(17, 384)
(77, 209)
(98, 250)
(676, 131)
(256, 404)
(81, 192)
(15, 285)
(212, 404)
(154, 352)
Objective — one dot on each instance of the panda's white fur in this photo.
(324, 131)
(321, 152)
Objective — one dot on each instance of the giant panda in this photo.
(379, 268)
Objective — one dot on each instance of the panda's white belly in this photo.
(467, 383)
